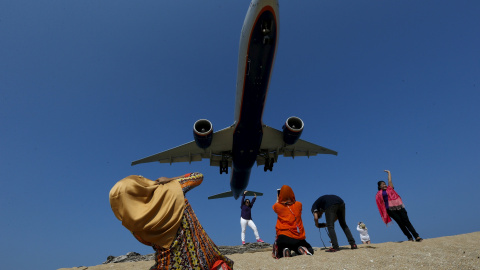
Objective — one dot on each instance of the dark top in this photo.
(247, 210)
(385, 198)
(325, 201)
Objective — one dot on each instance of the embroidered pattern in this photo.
(192, 247)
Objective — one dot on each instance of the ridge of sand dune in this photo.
(449, 252)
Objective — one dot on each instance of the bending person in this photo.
(246, 218)
(390, 205)
(290, 231)
(334, 208)
(159, 215)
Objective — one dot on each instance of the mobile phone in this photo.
(278, 192)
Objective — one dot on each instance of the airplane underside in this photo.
(248, 140)
(248, 133)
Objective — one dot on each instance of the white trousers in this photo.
(249, 222)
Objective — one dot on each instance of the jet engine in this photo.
(292, 129)
(203, 133)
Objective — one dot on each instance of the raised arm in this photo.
(243, 199)
(253, 200)
(164, 180)
(189, 181)
(390, 183)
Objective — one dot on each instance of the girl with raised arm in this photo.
(391, 206)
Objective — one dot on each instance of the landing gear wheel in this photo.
(268, 164)
(224, 166)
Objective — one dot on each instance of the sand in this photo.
(450, 252)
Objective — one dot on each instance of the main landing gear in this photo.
(268, 164)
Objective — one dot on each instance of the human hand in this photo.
(387, 171)
(255, 194)
(162, 180)
(245, 192)
(321, 225)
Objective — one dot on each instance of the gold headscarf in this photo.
(151, 211)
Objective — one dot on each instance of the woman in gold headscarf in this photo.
(158, 215)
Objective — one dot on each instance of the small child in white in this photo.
(362, 229)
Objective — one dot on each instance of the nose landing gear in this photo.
(224, 165)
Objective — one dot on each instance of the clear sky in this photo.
(86, 87)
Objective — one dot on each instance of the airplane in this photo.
(247, 140)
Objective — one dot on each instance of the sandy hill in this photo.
(450, 252)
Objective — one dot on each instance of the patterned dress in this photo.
(192, 247)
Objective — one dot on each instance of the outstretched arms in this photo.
(251, 202)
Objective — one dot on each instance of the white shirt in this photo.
(363, 234)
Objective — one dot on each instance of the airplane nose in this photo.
(236, 194)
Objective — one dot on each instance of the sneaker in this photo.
(332, 250)
(260, 240)
(286, 252)
(419, 239)
(354, 246)
(243, 242)
(303, 251)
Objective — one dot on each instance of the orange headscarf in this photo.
(289, 215)
(286, 195)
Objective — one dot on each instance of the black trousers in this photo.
(337, 211)
(401, 217)
(284, 241)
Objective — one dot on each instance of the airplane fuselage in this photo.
(258, 43)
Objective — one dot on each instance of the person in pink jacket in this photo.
(391, 206)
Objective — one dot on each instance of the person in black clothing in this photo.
(334, 208)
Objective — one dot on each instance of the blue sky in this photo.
(86, 87)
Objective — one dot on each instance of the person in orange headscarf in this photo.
(290, 231)
(158, 214)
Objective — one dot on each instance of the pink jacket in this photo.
(393, 200)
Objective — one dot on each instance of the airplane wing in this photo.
(221, 145)
(273, 144)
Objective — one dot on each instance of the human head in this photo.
(362, 225)
(247, 202)
(381, 185)
(286, 195)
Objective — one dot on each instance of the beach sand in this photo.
(450, 252)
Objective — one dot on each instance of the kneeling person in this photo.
(290, 231)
